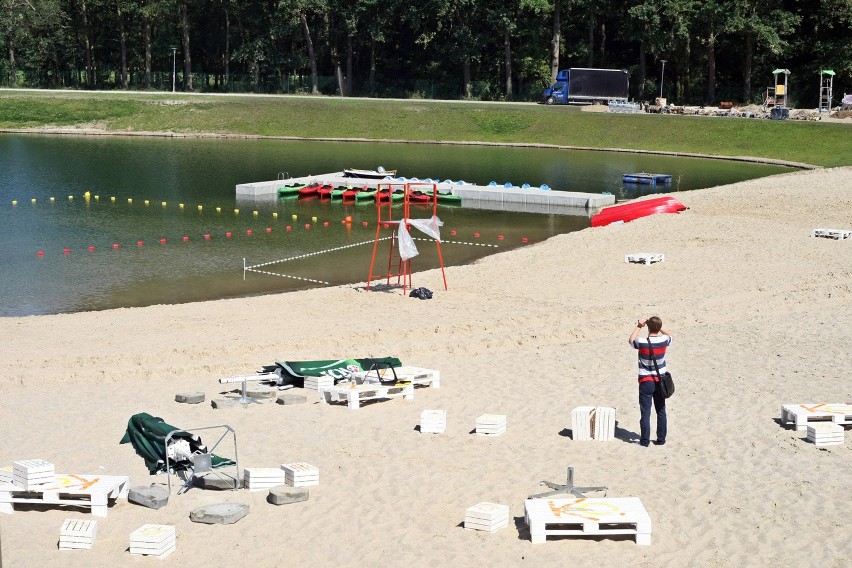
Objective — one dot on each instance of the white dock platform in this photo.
(500, 197)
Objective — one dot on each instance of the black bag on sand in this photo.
(666, 382)
(422, 293)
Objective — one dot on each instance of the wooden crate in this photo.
(801, 415)
(77, 534)
(491, 424)
(584, 517)
(837, 234)
(92, 491)
(825, 434)
(485, 516)
(261, 478)
(300, 474)
(31, 474)
(433, 421)
(153, 540)
(645, 257)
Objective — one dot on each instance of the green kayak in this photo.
(290, 189)
(366, 194)
(337, 192)
(449, 199)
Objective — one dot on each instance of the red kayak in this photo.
(630, 211)
(325, 191)
(383, 195)
(310, 189)
(351, 193)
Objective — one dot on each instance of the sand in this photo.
(761, 315)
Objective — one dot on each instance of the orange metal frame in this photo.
(385, 220)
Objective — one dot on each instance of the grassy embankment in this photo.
(416, 120)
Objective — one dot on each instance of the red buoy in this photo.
(499, 237)
(115, 245)
(162, 241)
(476, 235)
(249, 232)
(228, 234)
(66, 251)
(206, 237)
(91, 249)
(40, 253)
(453, 232)
(185, 239)
(523, 239)
(268, 230)
(140, 243)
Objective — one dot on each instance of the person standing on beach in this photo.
(649, 390)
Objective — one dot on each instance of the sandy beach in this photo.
(761, 315)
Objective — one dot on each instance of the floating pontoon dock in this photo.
(647, 179)
(495, 197)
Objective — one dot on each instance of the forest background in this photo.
(722, 50)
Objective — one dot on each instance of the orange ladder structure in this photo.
(384, 208)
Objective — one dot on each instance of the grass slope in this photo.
(810, 142)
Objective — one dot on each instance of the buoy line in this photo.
(315, 253)
(459, 243)
(286, 276)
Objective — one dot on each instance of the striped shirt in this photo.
(647, 371)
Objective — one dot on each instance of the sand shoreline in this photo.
(761, 316)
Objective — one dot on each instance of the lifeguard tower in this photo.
(826, 86)
(776, 96)
(402, 248)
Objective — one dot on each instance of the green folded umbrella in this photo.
(147, 434)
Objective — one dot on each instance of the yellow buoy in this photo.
(129, 201)
(236, 211)
(314, 219)
(180, 205)
(112, 199)
(218, 210)
(52, 199)
(275, 215)
(254, 213)
(163, 203)
(295, 217)
(199, 207)
(97, 198)
(70, 198)
(14, 202)
(33, 200)
(146, 202)
(87, 195)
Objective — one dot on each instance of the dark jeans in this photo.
(648, 391)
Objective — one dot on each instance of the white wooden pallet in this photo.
(416, 375)
(583, 517)
(645, 257)
(801, 415)
(93, 491)
(837, 234)
(355, 393)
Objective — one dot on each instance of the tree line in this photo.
(714, 50)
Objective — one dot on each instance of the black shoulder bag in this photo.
(666, 382)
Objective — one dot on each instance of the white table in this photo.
(578, 517)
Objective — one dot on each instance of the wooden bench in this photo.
(355, 393)
(803, 414)
(582, 517)
(93, 491)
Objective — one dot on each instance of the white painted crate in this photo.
(318, 383)
(837, 234)
(260, 478)
(153, 540)
(603, 424)
(825, 434)
(6, 475)
(77, 534)
(804, 414)
(581, 517)
(485, 516)
(31, 474)
(645, 257)
(433, 421)
(491, 424)
(581, 423)
(300, 474)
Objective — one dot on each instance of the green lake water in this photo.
(115, 257)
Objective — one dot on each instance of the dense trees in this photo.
(495, 49)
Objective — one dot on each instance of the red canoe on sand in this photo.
(630, 211)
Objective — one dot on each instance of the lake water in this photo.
(123, 252)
